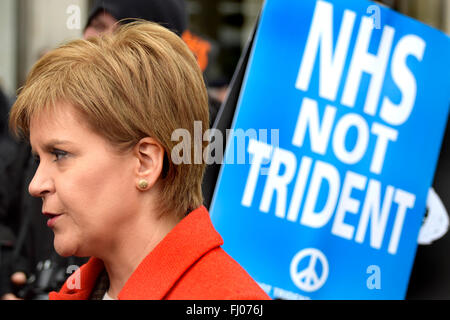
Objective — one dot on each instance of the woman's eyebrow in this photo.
(49, 145)
(55, 142)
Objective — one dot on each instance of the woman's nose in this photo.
(42, 184)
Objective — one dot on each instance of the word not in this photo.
(320, 133)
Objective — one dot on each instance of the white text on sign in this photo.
(329, 132)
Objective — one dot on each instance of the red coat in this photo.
(188, 264)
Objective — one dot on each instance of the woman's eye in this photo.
(59, 154)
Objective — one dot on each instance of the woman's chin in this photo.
(64, 249)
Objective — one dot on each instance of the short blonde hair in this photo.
(141, 81)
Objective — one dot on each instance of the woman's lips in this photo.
(52, 217)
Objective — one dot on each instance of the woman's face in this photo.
(87, 187)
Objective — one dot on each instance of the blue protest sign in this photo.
(333, 149)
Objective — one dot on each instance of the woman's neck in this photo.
(133, 244)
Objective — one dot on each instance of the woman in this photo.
(99, 115)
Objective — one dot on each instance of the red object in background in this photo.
(199, 47)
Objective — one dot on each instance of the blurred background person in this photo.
(106, 16)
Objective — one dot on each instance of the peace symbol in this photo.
(307, 279)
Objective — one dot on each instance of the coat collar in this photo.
(188, 241)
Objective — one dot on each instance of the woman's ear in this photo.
(149, 154)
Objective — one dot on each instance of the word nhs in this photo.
(332, 64)
(329, 130)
